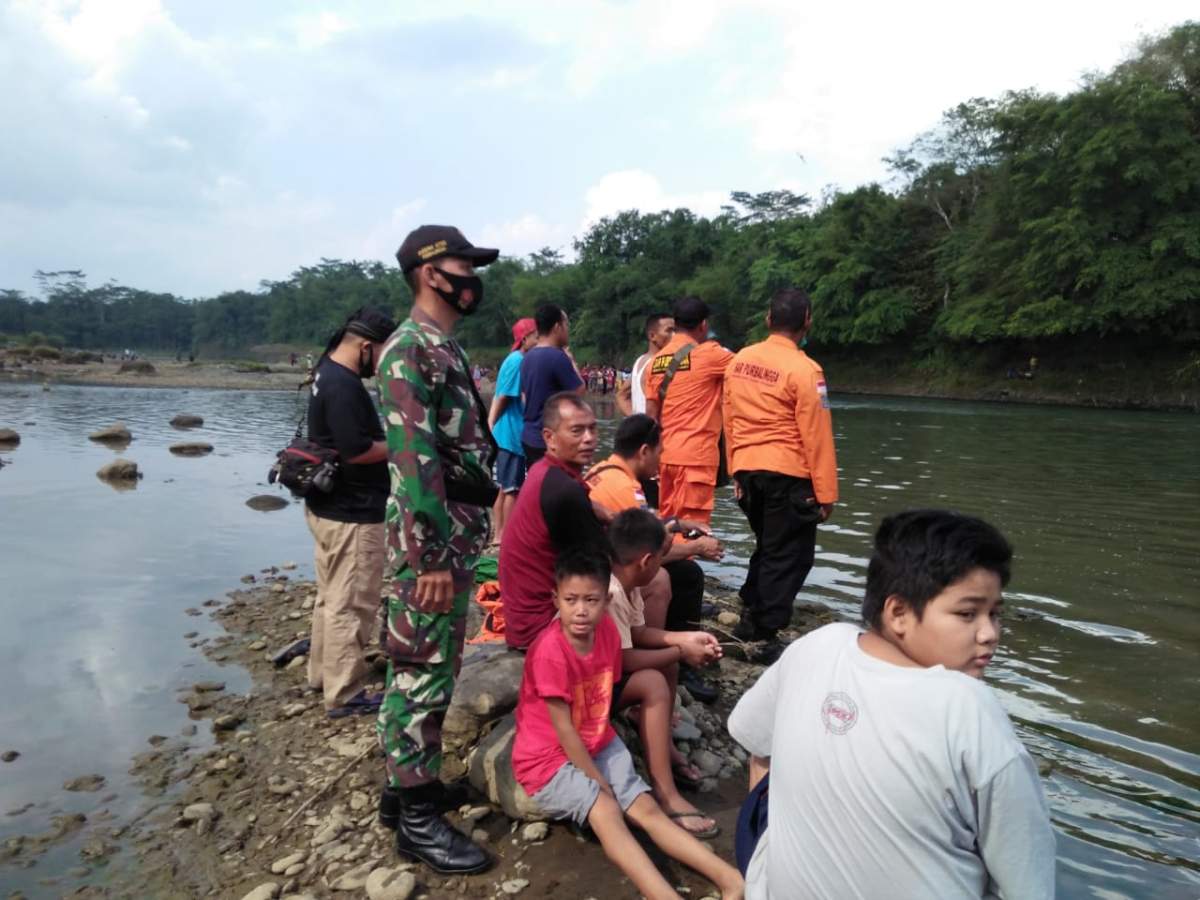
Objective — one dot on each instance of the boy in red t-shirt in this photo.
(567, 756)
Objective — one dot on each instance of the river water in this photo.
(1099, 665)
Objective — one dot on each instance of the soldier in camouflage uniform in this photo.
(440, 454)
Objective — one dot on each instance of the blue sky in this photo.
(201, 146)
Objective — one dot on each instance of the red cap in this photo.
(521, 330)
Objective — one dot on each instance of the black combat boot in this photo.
(448, 797)
(422, 834)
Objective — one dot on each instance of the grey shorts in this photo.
(571, 795)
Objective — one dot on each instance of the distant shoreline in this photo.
(225, 375)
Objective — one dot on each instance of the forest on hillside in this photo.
(1019, 220)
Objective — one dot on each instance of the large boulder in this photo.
(266, 502)
(9, 438)
(485, 690)
(491, 773)
(119, 470)
(113, 434)
(187, 420)
(191, 448)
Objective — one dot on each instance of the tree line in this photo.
(1025, 218)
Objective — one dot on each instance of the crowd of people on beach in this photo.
(879, 762)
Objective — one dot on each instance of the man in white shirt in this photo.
(894, 771)
(631, 397)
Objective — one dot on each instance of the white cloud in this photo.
(383, 239)
(315, 31)
(521, 236)
(638, 189)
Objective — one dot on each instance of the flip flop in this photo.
(699, 835)
(361, 704)
(684, 778)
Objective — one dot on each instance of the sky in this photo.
(199, 146)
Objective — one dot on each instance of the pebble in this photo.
(479, 836)
(727, 618)
(293, 709)
(197, 811)
(298, 662)
(267, 891)
(277, 588)
(257, 645)
(204, 687)
(391, 884)
(227, 722)
(288, 566)
(9, 755)
(473, 814)
(535, 831)
(686, 731)
(354, 879)
(283, 787)
(330, 832)
(707, 762)
(514, 885)
(280, 866)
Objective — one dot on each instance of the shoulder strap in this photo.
(672, 368)
(480, 408)
(598, 469)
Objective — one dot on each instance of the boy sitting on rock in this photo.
(894, 771)
(650, 658)
(567, 756)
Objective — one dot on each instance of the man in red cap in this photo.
(506, 420)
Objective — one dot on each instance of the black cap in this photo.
(689, 312)
(430, 242)
(371, 323)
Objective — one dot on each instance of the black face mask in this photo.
(366, 361)
(465, 294)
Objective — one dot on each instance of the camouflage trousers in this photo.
(424, 656)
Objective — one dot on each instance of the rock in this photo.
(535, 831)
(197, 811)
(9, 438)
(267, 891)
(278, 588)
(486, 689)
(298, 662)
(686, 731)
(288, 566)
(204, 687)
(257, 645)
(282, 865)
(390, 884)
(9, 755)
(265, 503)
(727, 618)
(479, 836)
(119, 470)
(89, 783)
(186, 420)
(281, 786)
(292, 709)
(334, 827)
(354, 879)
(116, 433)
(227, 722)
(191, 448)
(514, 885)
(491, 773)
(707, 762)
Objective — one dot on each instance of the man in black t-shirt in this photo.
(347, 522)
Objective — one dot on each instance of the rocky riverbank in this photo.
(281, 802)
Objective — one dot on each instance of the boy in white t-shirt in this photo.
(894, 771)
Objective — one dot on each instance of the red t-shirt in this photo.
(554, 669)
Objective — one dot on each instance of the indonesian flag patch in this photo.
(823, 393)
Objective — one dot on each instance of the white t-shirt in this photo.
(628, 611)
(637, 396)
(889, 782)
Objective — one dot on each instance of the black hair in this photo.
(547, 316)
(919, 553)
(634, 432)
(583, 562)
(689, 312)
(652, 321)
(552, 410)
(634, 532)
(790, 309)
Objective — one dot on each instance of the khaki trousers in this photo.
(349, 560)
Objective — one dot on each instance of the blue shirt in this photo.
(508, 384)
(544, 372)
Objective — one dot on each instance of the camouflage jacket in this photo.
(436, 429)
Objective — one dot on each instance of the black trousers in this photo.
(687, 593)
(784, 515)
(532, 454)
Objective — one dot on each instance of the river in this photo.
(1098, 667)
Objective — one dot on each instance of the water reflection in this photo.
(1097, 668)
